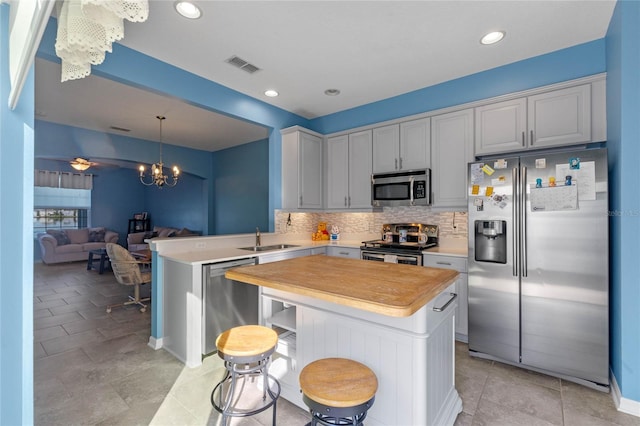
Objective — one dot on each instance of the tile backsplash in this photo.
(452, 225)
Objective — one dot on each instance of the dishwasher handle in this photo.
(218, 269)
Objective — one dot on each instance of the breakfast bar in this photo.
(396, 319)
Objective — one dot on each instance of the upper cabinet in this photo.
(301, 169)
(349, 171)
(404, 146)
(452, 143)
(550, 119)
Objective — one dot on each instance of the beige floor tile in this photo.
(595, 404)
(491, 414)
(534, 400)
(470, 390)
(518, 374)
(172, 413)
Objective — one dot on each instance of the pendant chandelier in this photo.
(157, 176)
(87, 28)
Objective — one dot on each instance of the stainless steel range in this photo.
(401, 243)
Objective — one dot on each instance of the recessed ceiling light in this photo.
(271, 93)
(188, 9)
(332, 92)
(492, 37)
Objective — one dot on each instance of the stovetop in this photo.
(418, 237)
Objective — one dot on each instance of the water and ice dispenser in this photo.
(491, 241)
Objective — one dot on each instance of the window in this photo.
(60, 208)
(60, 218)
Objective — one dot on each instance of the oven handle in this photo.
(411, 202)
(443, 307)
(369, 254)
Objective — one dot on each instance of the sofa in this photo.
(135, 241)
(69, 245)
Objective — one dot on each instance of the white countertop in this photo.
(210, 249)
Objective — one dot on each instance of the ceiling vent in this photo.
(242, 64)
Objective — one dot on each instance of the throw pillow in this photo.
(150, 234)
(60, 236)
(78, 236)
(96, 236)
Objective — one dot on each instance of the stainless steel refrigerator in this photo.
(538, 263)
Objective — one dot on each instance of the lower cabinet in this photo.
(461, 288)
(349, 252)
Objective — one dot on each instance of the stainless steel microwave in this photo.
(410, 188)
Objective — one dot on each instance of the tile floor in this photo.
(94, 368)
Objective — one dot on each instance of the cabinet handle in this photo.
(400, 163)
(344, 253)
(349, 201)
(523, 143)
(301, 200)
(345, 201)
(443, 263)
(396, 166)
(531, 139)
(443, 307)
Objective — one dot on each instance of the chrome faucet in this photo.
(257, 237)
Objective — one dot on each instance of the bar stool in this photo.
(246, 351)
(338, 391)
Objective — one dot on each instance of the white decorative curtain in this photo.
(87, 28)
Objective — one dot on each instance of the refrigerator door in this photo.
(564, 300)
(494, 315)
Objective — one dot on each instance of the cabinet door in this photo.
(310, 169)
(560, 117)
(501, 127)
(360, 170)
(386, 148)
(348, 252)
(415, 145)
(338, 172)
(452, 144)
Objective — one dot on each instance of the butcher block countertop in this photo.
(384, 288)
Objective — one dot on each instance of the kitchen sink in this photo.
(269, 248)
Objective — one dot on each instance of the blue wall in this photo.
(16, 244)
(242, 188)
(623, 135)
(566, 64)
(133, 68)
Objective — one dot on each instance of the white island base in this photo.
(412, 357)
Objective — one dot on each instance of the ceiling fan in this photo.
(81, 164)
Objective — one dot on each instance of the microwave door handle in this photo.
(411, 203)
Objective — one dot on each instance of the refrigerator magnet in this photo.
(475, 189)
(574, 163)
(500, 164)
(541, 163)
(487, 169)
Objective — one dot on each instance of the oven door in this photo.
(390, 257)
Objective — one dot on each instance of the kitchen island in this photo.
(396, 319)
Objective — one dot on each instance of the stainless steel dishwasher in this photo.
(227, 303)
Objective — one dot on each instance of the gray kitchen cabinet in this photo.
(462, 285)
(349, 171)
(301, 169)
(348, 252)
(403, 146)
(555, 118)
(452, 149)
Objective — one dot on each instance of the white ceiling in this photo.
(369, 50)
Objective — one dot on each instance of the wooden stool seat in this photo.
(338, 382)
(246, 341)
(246, 351)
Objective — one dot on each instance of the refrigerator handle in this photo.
(514, 221)
(523, 221)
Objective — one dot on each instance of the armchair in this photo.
(127, 272)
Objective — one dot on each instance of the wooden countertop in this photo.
(385, 288)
